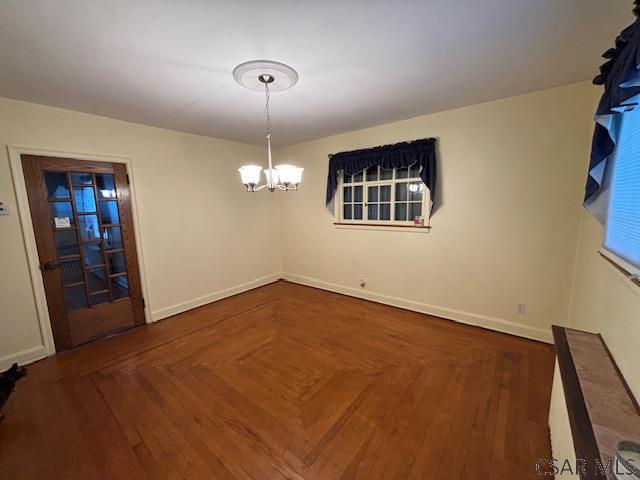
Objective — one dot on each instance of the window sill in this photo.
(623, 269)
(382, 226)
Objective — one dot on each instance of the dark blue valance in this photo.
(621, 79)
(405, 154)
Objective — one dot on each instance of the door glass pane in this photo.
(357, 193)
(75, 297)
(385, 211)
(100, 298)
(414, 170)
(89, 227)
(71, 271)
(62, 214)
(85, 199)
(357, 211)
(385, 193)
(415, 210)
(92, 254)
(112, 238)
(120, 286)
(372, 212)
(372, 195)
(347, 194)
(97, 279)
(386, 173)
(116, 263)
(105, 185)
(109, 213)
(415, 191)
(81, 178)
(358, 177)
(401, 211)
(347, 215)
(401, 192)
(66, 243)
(57, 186)
(372, 174)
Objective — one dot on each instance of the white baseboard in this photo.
(23, 357)
(212, 297)
(491, 323)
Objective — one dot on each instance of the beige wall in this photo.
(511, 179)
(201, 234)
(606, 302)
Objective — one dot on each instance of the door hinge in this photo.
(128, 181)
(144, 304)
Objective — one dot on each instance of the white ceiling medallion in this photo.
(247, 74)
(271, 77)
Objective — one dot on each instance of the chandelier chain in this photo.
(266, 109)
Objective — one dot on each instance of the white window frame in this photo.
(339, 204)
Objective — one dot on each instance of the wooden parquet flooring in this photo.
(285, 381)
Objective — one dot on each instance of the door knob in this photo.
(50, 265)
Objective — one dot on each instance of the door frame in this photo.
(29, 236)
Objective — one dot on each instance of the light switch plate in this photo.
(4, 209)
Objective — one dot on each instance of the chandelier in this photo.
(270, 76)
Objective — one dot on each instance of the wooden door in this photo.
(81, 214)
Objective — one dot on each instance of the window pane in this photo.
(112, 238)
(415, 191)
(372, 174)
(92, 254)
(402, 172)
(357, 193)
(357, 177)
(88, 227)
(357, 211)
(62, 214)
(97, 279)
(85, 199)
(116, 263)
(385, 211)
(385, 193)
(75, 297)
(414, 170)
(372, 194)
(347, 194)
(347, 178)
(622, 230)
(401, 212)
(57, 184)
(66, 243)
(81, 178)
(109, 212)
(71, 271)
(372, 212)
(386, 173)
(415, 210)
(120, 287)
(347, 215)
(401, 192)
(106, 186)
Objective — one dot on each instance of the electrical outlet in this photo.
(4, 209)
(363, 282)
(521, 308)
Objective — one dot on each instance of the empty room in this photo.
(368, 239)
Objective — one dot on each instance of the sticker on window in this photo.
(62, 222)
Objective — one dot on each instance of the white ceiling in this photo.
(168, 63)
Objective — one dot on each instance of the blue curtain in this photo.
(405, 154)
(620, 77)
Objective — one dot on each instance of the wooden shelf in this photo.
(602, 410)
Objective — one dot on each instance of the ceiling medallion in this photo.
(270, 77)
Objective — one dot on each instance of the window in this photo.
(383, 197)
(622, 230)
